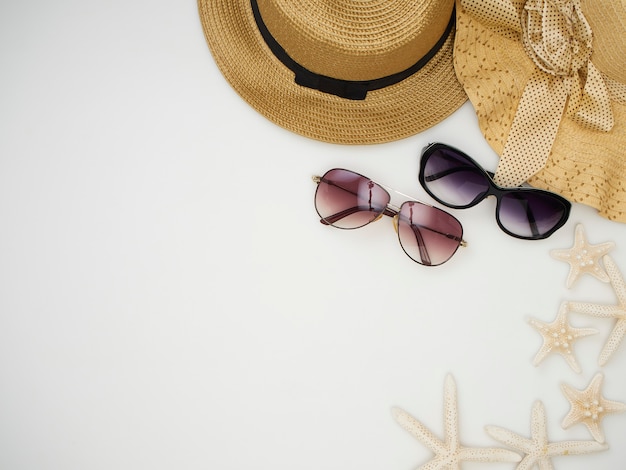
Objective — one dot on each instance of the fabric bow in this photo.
(558, 39)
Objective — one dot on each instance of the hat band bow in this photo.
(349, 89)
(558, 39)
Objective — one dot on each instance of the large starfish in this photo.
(608, 311)
(589, 407)
(449, 453)
(538, 450)
(583, 257)
(558, 337)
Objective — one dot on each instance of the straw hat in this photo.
(390, 63)
(548, 83)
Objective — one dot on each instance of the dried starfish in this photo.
(589, 407)
(609, 311)
(583, 257)
(558, 337)
(538, 450)
(449, 453)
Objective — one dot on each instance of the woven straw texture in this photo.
(388, 114)
(585, 165)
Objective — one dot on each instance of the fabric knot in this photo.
(558, 39)
(556, 35)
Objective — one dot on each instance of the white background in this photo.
(169, 299)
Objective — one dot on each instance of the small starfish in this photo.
(538, 450)
(583, 257)
(609, 311)
(558, 337)
(450, 453)
(589, 407)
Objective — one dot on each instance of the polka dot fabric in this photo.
(539, 113)
(561, 129)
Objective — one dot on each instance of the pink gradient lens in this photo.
(428, 235)
(347, 200)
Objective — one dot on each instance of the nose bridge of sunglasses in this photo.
(399, 193)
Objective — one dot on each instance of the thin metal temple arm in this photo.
(421, 245)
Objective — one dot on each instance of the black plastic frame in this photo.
(494, 190)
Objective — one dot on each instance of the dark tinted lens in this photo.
(531, 214)
(428, 235)
(345, 199)
(453, 179)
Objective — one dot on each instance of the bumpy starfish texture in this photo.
(449, 453)
(538, 450)
(558, 337)
(583, 257)
(589, 407)
(608, 311)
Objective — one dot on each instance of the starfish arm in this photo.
(617, 280)
(545, 464)
(484, 454)
(418, 431)
(571, 418)
(538, 420)
(600, 275)
(613, 406)
(538, 325)
(604, 247)
(574, 269)
(572, 275)
(595, 386)
(546, 348)
(451, 414)
(570, 392)
(582, 332)
(595, 430)
(543, 352)
(572, 362)
(527, 463)
(575, 447)
(438, 464)
(612, 343)
(597, 310)
(561, 255)
(509, 438)
(574, 415)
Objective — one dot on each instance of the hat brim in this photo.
(397, 111)
(585, 166)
